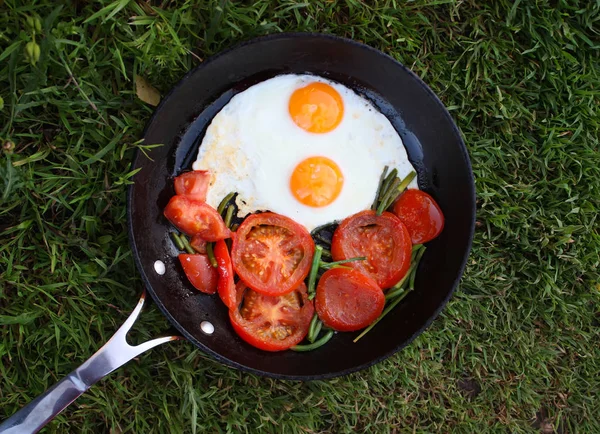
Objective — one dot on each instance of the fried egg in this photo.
(302, 146)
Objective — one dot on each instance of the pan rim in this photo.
(471, 224)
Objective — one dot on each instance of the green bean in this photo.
(386, 184)
(399, 190)
(186, 244)
(224, 202)
(328, 265)
(393, 294)
(398, 289)
(177, 241)
(383, 205)
(406, 181)
(411, 285)
(326, 254)
(415, 249)
(234, 227)
(311, 328)
(314, 345)
(388, 180)
(211, 255)
(317, 330)
(229, 215)
(379, 186)
(312, 277)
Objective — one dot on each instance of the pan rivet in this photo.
(159, 267)
(207, 327)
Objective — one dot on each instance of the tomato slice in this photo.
(198, 244)
(421, 215)
(196, 218)
(200, 272)
(271, 323)
(226, 286)
(347, 300)
(383, 239)
(272, 253)
(193, 185)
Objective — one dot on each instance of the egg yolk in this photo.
(316, 181)
(317, 107)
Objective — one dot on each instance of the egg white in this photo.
(252, 147)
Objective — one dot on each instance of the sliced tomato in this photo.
(272, 253)
(226, 286)
(421, 214)
(200, 272)
(347, 300)
(271, 323)
(196, 218)
(384, 240)
(198, 244)
(193, 185)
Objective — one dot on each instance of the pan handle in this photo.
(115, 353)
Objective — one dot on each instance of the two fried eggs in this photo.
(301, 146)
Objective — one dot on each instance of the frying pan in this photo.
(434, 147)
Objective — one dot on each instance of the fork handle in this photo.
(115, 353)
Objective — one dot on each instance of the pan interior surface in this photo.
(434, 147)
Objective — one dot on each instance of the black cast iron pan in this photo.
(434, 147)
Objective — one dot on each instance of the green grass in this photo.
(516, 350)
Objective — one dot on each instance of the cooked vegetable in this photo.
(211, 255)
(272, 253)
(198, 244)
(386, 184)
(177, 241)
(379, 188)
(413, 274)
(270, 307)
(395, 189)
(224, 202)
(398, 288)
(271, 323)
(314, 329)
(186, 244)
(389, 188)
(193, 217)
(226, 286)
(199, 272)
(314, 268)
(229, 215)
(386, 197)
(384, 241)
(421, 215)
(193, 185)
(347, 300)
(314, 346)
(329, 265)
